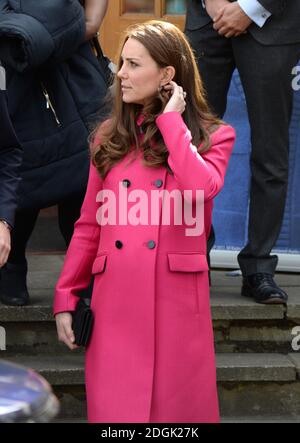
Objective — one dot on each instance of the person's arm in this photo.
(4, 243)
(231, 20)
(95, 11)
(275, 7)
(255, 11)
(76, 273)
(213, 7)
(194, 171)
(77, 269)
(235, 18)
(10, 161)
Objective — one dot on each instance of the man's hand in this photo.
(4, 244)
(213, 7)
(231, 21)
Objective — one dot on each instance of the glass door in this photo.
(122, 13)
(175, 7)
(138, 6)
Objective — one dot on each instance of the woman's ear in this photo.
(168, 75)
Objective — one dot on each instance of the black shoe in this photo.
(13, 288)
(263, 289)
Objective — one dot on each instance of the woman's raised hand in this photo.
(176, 102)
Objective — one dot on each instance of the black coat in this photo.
(55, 89)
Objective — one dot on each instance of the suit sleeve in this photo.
(191, 170)
(276, 7)
(77, 269)
(10, 162)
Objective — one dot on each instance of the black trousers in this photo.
(68, 213)
(266, 76)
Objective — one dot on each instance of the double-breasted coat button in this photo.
(119, 244)
(151, 244)
(158, 183)
(126, 183)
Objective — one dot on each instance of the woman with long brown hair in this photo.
(158, 160)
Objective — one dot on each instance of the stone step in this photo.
(261, 419)
(46, 235)
(32, 330)
(224, 420)
(69, 369)
(240, 325)
(250, 385)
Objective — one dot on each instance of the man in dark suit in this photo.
(261, 38)
(10, 160)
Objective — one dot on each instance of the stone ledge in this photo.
(261, 419)
(40, 308)
(224, 419)
(57, 370)
(295, 359)
(220, 278)
(69, 369)
(228, 304)
(255, 367)
(226, 301)
(293, 307)
(224, 306)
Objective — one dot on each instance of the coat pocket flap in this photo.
(187, 262)
(99, 264)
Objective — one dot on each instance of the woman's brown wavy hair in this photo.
(168, 46)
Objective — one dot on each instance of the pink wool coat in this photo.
(151, 355)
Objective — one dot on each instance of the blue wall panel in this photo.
(231, 206)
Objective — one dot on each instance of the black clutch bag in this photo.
(83, 318)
